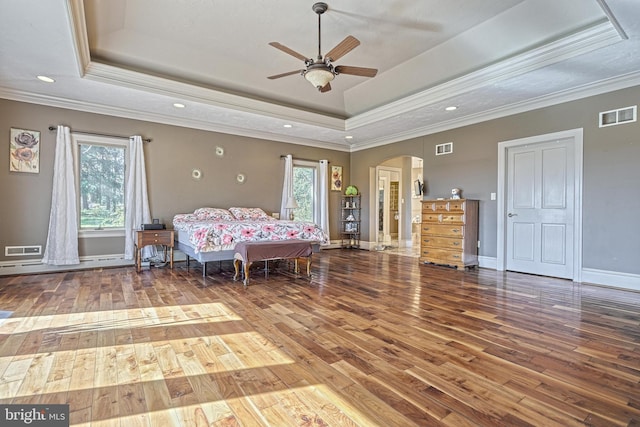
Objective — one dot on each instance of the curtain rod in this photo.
(52, 128)
(283, 156)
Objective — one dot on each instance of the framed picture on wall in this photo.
(336, 178)
(24, 151)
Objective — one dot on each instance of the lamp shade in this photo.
(291, 203)
(319, 77)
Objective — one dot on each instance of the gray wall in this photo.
(611, 186)
(611, 202)
(170, 158)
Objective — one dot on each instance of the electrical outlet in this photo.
(493, 196)
(478, 244)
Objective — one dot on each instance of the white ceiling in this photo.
(490, 58)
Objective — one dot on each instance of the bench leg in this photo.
(296, 265)
(236, 267)
(245, 268)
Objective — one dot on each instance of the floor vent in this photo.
(22, 250)
(618, 117)
(446, 148)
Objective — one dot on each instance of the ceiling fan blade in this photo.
(326, 88)
(289, 73)
(344, 47)
(288, 50)
(356, 71)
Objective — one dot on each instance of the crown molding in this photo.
(34, 98)
(75, 11)
(596, 37)
(161, 86)
(592, 89)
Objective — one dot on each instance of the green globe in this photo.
(351, 190)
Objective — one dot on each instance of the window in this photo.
(100, 175)
(305, 190)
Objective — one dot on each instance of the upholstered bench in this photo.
(249, 252)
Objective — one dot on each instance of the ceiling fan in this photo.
(322, 71)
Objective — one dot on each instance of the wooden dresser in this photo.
(449, 232)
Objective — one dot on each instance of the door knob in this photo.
(511, 214)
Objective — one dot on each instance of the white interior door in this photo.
(540, 207)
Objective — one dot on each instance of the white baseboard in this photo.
(32, 266)
(614, 279)
(25, 266)
(488, 262)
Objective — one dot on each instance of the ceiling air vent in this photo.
(446, 148)
(619, 116)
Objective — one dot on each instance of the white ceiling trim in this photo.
(161, 86)
(596, 37)
(186, 92)
(591, 89)
(75, 12)
(90, 107)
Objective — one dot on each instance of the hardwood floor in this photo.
(374, 339)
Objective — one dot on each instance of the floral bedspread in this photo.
(207, 235)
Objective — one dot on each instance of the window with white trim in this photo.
(100, 182)
(305, 190)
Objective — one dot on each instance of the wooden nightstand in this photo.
(153, 237)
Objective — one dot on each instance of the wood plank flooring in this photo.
(373, 339)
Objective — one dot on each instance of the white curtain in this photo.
(62, 238)
(323, 195)
(137, 202)
(287, 186)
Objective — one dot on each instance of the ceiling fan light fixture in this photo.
(319, 77)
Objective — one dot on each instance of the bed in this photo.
(211, 234)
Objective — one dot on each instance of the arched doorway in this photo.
(397, 192)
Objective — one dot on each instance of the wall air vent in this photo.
(446, 148)
(22, 250)
(619, 116)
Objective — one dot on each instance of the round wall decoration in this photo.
(219, 151)
(241, 178)
(196, 174)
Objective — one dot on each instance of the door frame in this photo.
(503, 147)
(377, 202)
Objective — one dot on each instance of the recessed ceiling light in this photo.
(46, 79)
(348, 137)
(288, 126)
(452, 108)
(178, 105)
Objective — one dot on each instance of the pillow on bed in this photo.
(213, 214)
(180, 219)
(250, 214)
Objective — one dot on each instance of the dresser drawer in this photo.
(441, 242)
(160, 237)
(452, 218)
(443, 218)
(431, 217)
(442, 256)
(456, 205)
(443, 230)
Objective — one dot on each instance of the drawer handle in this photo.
(456, 243)
(455, 230)
(456, 256)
